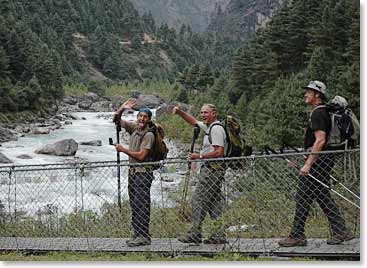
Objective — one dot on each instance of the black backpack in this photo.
(345, 129)
(236, 144)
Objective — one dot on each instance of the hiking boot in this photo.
(292, 242)
(190, 238)
(215, 240)
(131, 239)
(138, 241)
(338, 239)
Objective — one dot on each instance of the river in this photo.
(95, 126)
(37, 190)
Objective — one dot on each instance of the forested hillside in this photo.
(306, 40)
(45, 44)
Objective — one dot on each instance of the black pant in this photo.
(309, 190)
(139, 195)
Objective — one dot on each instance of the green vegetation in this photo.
(75, 89)
(69, 256)
(162, 88)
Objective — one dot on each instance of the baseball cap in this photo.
(147, 111)
(317, 86)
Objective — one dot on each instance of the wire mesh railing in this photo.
(246, 197)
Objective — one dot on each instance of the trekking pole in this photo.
(313, 177)
(183, 208)
(117, 121)
(331, 176)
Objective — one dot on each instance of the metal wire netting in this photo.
(247, 197)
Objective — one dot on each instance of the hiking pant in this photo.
(207, 198)
(139, 195)
(309, 190)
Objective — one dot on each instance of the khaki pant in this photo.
(207, 199)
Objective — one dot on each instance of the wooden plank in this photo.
(315, 247)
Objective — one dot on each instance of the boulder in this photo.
(60, 117)
(71, 116)
(70, 100)
(67, 147)
(101, 106)
(91, 96)
(150, 101)
(24, 156)
(135, 94)
(22, 128)
(40, 130)
(91, 143)
(85, 105)
(4, 159)
(7, 135)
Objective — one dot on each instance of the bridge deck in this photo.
(254, 247)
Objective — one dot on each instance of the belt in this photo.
(133, 170)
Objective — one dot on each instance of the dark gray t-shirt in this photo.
(319, 120)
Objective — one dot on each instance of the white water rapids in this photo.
(35, 191)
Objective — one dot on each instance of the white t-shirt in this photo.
(218, 137)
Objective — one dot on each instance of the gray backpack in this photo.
(345, 128)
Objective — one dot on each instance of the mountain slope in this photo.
(241, 18)
(177, 12)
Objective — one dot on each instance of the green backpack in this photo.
(236, 144)
(160, 149)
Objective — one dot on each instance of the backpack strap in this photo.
(314, 109)
(210, 130)
(317, 107)
(225, 131)
(332, 125)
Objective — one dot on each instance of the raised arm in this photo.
(187, 117)
(129, 104)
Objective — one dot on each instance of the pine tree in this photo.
(204, 79)
(4, 64)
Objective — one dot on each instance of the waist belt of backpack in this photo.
(214, 165)
(134, 170)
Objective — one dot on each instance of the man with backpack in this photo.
(316, 167)
(207, 197)
(140, 178)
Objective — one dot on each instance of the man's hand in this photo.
(120, 148)
(305, 170)
(193, 156)
(176, 109)
(129, 104)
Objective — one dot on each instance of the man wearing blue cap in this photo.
(141, 143)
